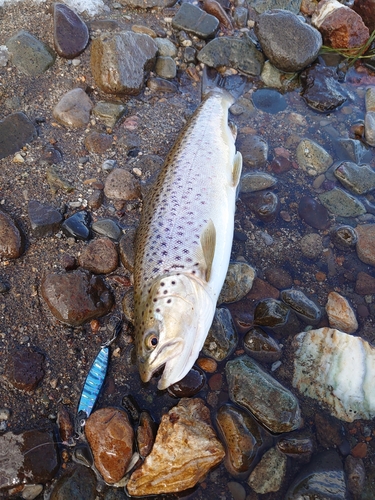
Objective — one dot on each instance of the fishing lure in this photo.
(94, 382)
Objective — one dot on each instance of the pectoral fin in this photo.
(208, 243)
(237, 169)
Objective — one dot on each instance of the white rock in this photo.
(338, 370)
(324, 11)
(340, 314)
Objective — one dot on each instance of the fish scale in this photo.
(186, 233)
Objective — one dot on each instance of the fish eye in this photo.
(151, 340)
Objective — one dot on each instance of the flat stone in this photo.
(311, 245)
(256, 181)
(312, 157)
(31, 457)
(70, 33)
(107, 227)
(366, 243)
(269, 100)
(165, 67)
(321, 89)
(186, 434)
(25, 368)
(100, 256)
(238, 53)
(44, 219)
(274, 406)
(78, 483)
(121, 61)
(288, 42)
(110, 436)
(194, 20)
(254, 150)
(122, 185)
(352, 150)
(269, 473)
(109, 112)
(340, 26)
(339, 202)
(238, 282)
(259, 345)
(15, 131)
(31, 56)
(99, 143)
(74, 108)
(304, 307)
(76, 297)
(161, 85)
(11, 241)
(360, 179)
(340, 314)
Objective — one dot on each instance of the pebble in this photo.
(304, 307)
(238, 282)
(269, 473)
(74, 108)
(56, 181)
(237, 53)
(324, 469)
(4, 55)
(78, 226)
(312, 158)
(121, 185)
(280, 164)
(261, 346)
(274, 406)
(340, 315)
(78, 482)
(278, 277)
(165, 67)
(216, 9)
(109, 165)
(45, 220)
(29, 457)
(269, 100)
(311, 245)
(271, 312)
(288, 42)
(313, 213)
(110, 436)
(76, 297)
(31, 56)
(11, 239)
(157, 84)
(365, 246)
(359, 179)
(127, 249)
(339, 202)
(120, 61)
(254, 150)
(222, 337)
(166, 48)
(96, 142)
(70, 33)
(256, 181)
(297, 447)
(108, 228)
(340, 26)
(109, 112)
(95, 200)
(344, 237)
(242, 438)
(355, 475)
(352, 150)
(99, 256)
(265, 204)
(241, 16)
(139, 28)
(25, 368)
(365, 284)
(321, 90)
(190, 385)
(145, 435)
(186, 434)
(65, 424)
(208, 365)
(15, 131)
(192, 19)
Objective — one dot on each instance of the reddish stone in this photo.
(365, 284)
(366, 9)
(25, 369)
(10, 238)
(359, 450)
(96, 142)
(100, 256)
(216, 382)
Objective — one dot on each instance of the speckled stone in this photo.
(70, 33)
(100, 256)
(238, 282)
(269, 473)
(74, 108)
(339, 202)
(25, 369)
(11, 244)
(99, 143)
(312, 158)
(109, 112)
(31, 56)
(340, 314)
(122, 185)
(366, 243)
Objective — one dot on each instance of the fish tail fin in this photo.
(212, 81)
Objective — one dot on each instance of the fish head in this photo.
(174, 322)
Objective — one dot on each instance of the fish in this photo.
(184, 240)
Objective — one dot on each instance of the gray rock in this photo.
(165, 67)
(31, 56)
(74, 108)
(166, 47)
(321, 90)
(4, 55)
(262, 5)
(352, 150)
(256, 181)
(194, 20)
(120, 61)
(254, 150)
(238, 53)
(78, 482)
(44, 219)
(148, 4)
(109, 112)
(269, 473)
(339, 202)
(15, 131)
(222, 337)
(275, 78)
(240, 16)
(126, 249)
(107, 227)
(274, 406)
(359, 179)
(238, 282)
(302, 306)
(312, 157)
(288, 42)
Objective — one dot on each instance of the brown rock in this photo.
(279, 277)
(122, 185)
(96, 142)
(10, 238)
(110, 437)
(262, 480)
(366, 243)
(359, 450)
(146, 433)
(185, 449)
(365, 284)
(70, 33)
(100, 256)
(25, 369)
(126, 249)
(95, 199)
(74, 108)
(366, 9)
(340, 315)
(340, 26)
(76, 297)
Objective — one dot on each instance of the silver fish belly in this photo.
(184, 242)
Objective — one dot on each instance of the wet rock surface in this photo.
(73, 109)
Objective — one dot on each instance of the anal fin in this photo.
(208, 243)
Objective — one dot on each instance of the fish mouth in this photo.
(159, 358)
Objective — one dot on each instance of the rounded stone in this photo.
(312, 158)
(165, 67)
(190, 385)
(269, 473)
(100, 256)
(261, 346)
(74, 108)
(98, 143)
(70, 33)
(238, 282)
(121, 185)
(313, 213)
(344, 237)
(311, 245)
(78, 482)
(11, 244)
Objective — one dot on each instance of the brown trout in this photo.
(184, 242)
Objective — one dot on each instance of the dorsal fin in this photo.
(208, 243)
